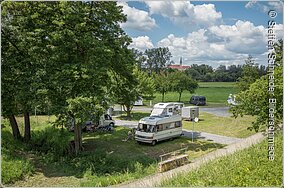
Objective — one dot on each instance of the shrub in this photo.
(15, 169)
(52, 141)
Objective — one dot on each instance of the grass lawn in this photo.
(215, 93)
(217, 84)
(135, 116)
(226, 126)
(247, 168)
(106, 159)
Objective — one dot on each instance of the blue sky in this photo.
(213, 33)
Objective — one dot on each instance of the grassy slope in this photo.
(249, 167)
(226, 126)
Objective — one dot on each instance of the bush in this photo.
(52, 141)
(15, 169)
(14, 166)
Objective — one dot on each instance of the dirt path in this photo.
(155, 180)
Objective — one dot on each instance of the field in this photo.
(247, 168)
(226, 126)
(216, 93)
(106, 159)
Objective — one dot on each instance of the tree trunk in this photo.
(15, 127)
(27, 134)
(163, 96)
(179, 96)
(128, 111)
(77, 138)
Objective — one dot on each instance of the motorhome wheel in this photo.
(154, 142)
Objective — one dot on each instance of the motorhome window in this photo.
(157, 112)
(178, 124)
(172, 125)
(170, 110)
(107, 117)
(159, 128)
(167, 126)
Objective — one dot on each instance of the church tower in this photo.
(180, 61)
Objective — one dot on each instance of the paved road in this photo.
(218, 111)
(128, 124)
(188, 133)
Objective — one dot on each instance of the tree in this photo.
(198, 72)
(255, 100)
(67, 56)
(162, 83)
(249, 74)
(157, 59)
(140, 58)
(22, 57)
(82, 109)
(127, 91)
(180, 82)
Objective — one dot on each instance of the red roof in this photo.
(179, 67)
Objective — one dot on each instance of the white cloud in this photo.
(250, 4)
(224, 44)
(186, 14)
(266, 6)
(137, 19)
(141, 43)
(276, 5)
(243, 37)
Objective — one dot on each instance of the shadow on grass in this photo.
(135, 116)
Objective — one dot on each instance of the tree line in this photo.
(232, 73)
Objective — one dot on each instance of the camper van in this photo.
(165, 122)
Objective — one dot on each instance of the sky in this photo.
(203, 32)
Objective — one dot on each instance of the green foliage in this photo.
(162, 83)
(181, 82)
(14, 169)
(249, 74)
(51, 141)
(157, 59)
(255, 100)
(247, 168)
(14, 166)
(83, 109)
(127, 91)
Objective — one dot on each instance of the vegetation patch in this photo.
(106, 159)
(135, 116)
(247, 168)
(226, 126)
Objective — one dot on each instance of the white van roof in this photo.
(156, 120)
(168, 104)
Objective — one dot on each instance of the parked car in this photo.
(198, 100)
(105, 120)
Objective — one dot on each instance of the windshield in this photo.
(146, 128)
(157, 112)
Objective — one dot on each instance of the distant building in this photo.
(179, 67)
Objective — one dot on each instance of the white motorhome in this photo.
(165, 122)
